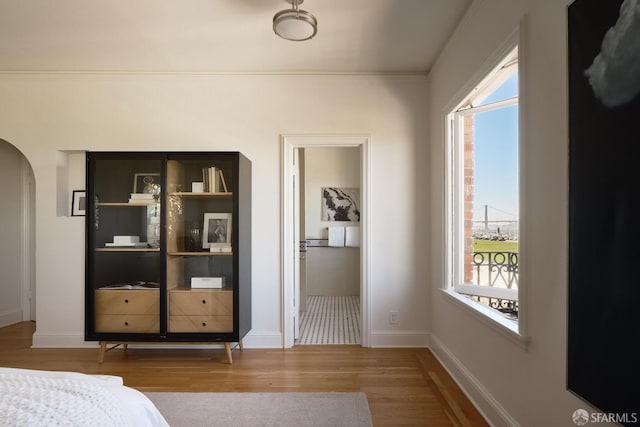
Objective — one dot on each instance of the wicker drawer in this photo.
(209, 302)
(127, 323)
(112, 301)
(200, 323)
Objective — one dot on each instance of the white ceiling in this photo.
(222, 35)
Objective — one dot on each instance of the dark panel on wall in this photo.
(604, 222)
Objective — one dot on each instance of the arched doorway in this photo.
(17, 253)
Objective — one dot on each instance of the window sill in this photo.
(489, 317)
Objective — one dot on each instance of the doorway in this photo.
(336, 294)
(17, 256)
(329, 224)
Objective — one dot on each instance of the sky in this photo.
(496, 162)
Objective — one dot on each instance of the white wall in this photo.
(333, 271)
(512, 385)
(11, 237)
(43, 114)
(327, 167)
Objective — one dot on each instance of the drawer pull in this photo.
(204, 301)
(126, 323)
(126, 301)
(204, 324)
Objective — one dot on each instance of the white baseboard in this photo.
(398, 339)
(254, 339)
(263, 339)
(495, 414)
(61, 340)
(10, 317)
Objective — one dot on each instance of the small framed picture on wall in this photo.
(78, 203)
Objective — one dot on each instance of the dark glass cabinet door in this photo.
(200, 243)
(124, 263)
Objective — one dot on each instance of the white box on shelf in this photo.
(141, 196)
(220, 247)
(197, 187)
(125, 240)
(207, 282)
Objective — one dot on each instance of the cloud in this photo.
(615, 73)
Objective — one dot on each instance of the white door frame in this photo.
(27, 202)
(288, 244)
(296, 248)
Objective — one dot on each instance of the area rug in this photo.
(263, 409)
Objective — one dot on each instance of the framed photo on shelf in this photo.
(78, 203)
(146, 183)
(216, 230)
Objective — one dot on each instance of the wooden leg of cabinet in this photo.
(101, 351)
(227, 348)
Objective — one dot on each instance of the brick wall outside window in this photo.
(468, 198)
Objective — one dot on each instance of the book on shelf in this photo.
(213, 179)
(142, 202)
(222, 183)
(141, 198)
(208, 177)
(126, 245)
(140, 284)
(213, 182)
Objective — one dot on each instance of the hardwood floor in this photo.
(404, 387)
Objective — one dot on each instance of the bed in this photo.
(48, 398)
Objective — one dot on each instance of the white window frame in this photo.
(457, 123)
(454, 287)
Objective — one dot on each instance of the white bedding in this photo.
(48, 398)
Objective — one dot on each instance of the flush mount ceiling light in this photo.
(295, 24)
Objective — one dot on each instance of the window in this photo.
(484, 196)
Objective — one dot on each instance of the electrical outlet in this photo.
(393, 317)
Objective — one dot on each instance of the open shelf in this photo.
(127, 204)
(185, 253)
(125, 249)
(201, 194)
